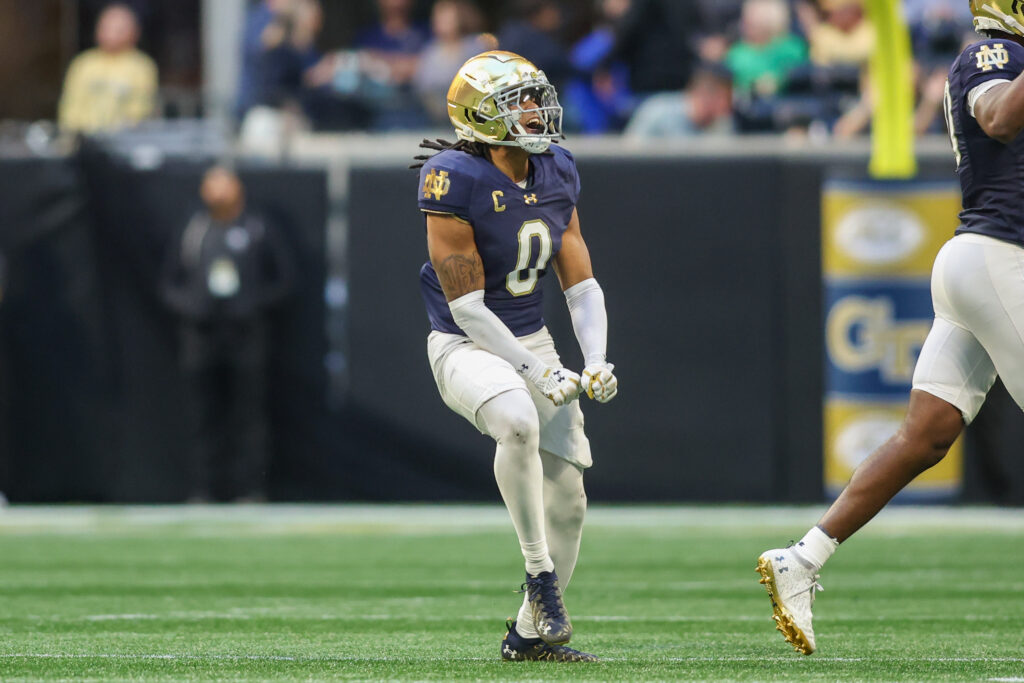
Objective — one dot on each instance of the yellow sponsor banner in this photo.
(879, 241)
(854, 429)
(886, 230)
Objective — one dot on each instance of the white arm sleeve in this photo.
(491, 334)
(975, 94)
(589, 319)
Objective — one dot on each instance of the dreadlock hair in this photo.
(473, 147)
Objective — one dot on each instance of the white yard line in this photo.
(335, 519)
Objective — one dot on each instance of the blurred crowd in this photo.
(644, 68)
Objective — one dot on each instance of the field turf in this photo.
(358, 592)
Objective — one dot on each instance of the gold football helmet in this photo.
(998, 15)
(501, 98)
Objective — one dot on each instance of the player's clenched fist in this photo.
(599, 382)
(559, 385)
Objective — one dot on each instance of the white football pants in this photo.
(978, 296)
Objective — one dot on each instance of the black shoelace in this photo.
(548, 594)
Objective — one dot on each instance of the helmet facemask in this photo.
(530, 113)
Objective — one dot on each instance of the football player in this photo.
(500, 207)
(978, 296)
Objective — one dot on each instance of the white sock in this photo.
(816, 547)
(524, 622)
(538, 559)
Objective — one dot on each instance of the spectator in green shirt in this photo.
(766, 51)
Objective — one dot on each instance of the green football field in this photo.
(362, 592)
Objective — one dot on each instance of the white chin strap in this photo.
(999, 23)
(534, 144)
(531, 143)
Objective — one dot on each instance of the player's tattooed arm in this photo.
(454, 255)
(460, 274)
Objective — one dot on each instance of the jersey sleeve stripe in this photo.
(447, 213)
(979, 90)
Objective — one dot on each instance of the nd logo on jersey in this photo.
(994, 56)
(437, 183)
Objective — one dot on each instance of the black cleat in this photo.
(549, 615)
(515, 648)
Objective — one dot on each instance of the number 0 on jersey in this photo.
(523, 279)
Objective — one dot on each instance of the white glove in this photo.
(599, 383)
(559, 385)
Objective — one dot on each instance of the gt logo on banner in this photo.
(874, 333)
(879, 241)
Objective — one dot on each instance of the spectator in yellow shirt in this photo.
(843, 36)
(112, 85)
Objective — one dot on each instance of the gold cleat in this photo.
(792, 614)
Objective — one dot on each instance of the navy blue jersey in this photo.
(517, 231)
(991, 173)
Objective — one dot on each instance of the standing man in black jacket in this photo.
(659, 39)
(222, 276)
